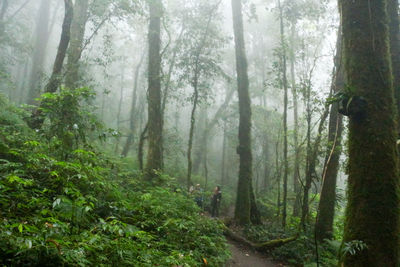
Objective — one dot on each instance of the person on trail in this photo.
(215, 201)
(198, 195)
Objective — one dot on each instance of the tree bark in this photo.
(326, 206)
(55, 79)
(154, 155)
(75, 48)
(394, 37)
(243, 197)
(285, 108)
(191, 131)
(223, 175)
(42, 37)
(296, 167)
(142, 139)
(372, 213)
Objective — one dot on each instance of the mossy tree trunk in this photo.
(394, 31)
(285, 109)
(154, 156)
(324, 225)
(296, 167)
(243, 198)
(76, 44)
(372, 214)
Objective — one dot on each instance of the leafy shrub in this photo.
(87, 209)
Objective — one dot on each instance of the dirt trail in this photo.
(245, 257)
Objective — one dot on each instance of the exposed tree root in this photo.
(272, 244)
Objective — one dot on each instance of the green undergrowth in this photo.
(300, 252)
(83, 208)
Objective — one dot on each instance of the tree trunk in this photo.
(39, 51)
(394, 35)
(75, 48)
(372, 213)
(206, 151)
(255, 216)
(312, 156)
(223, 175)
(278, 179)
(55, 79)
(285, 108)
(243, 198)
(296, 167)
(324, 224)
(191, 131)
(132, 115)
(121, 98)
(142, 139)
(154, 156)
(266, 182)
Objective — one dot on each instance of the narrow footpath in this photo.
(245, 257)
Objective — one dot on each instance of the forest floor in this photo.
(245, 257)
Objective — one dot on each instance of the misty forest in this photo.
(199, 133)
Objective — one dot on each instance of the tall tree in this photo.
(296, 167)
(243, 198)
(372, 214)
(394, 33)
(326, 206)
(76, 44)
(154, 156)
(55, 78)
(285, 109)
(39, 50)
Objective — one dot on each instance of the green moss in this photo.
(373, 185)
